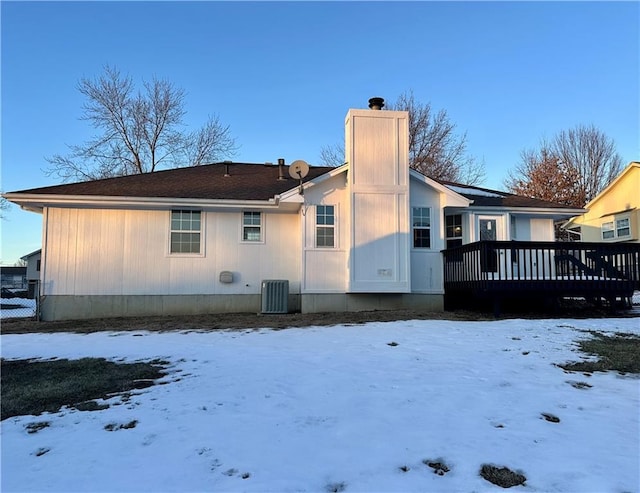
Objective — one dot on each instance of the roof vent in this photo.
(281, 169)
(376, 103)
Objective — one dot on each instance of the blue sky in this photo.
(282, 75)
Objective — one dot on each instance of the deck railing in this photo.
(567, 267)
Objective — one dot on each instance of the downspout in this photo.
(43, 261)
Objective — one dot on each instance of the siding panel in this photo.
(125, 252)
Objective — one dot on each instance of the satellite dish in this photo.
(298, 169)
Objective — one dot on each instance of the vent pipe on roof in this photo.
(376, 103)
(226, 168)
(281, 169)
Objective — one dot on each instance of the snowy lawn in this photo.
(343, 408)
(17, 308)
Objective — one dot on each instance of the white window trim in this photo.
(334, 226)
(622, 218)
(262, 229)
(613, 221)
(203, 223)
(430, 228)
(500, 225)
(461, 237)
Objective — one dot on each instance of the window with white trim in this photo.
(421, 223)
(325, 226)
(607, 230)
(619, 227)
(252, 226)
(186, 227)
(622, 227)
(453, 230)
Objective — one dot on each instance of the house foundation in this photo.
(78, 307)
(360, 302)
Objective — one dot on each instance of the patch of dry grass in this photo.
(502, 476)
(617, 352)
(35, 386)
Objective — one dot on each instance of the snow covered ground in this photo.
(20, 308)
(339, 408)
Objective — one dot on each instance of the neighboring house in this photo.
(13, 277)
(33, 261)
(614, 214)
(366, 235)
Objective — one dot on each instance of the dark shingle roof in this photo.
(245, 182)
(484, 197)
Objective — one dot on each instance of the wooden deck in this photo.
(498, 270)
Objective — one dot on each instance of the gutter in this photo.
(43, 263)
(530, 210)
(37, 202)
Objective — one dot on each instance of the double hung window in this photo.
(607, 230)
(186, 228)
(325, 226)
(622, 227)
(453, 229)
(421, 223)
(616, 228)
(251, 226)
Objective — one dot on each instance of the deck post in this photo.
(497, 307)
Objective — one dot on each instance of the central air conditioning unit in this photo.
(275, 296)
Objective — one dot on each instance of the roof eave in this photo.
(294, 195)
(627, 169)
(454, 199)
(35, 252)
(569, 211)
(37, 202)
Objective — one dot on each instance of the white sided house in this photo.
(233, 237)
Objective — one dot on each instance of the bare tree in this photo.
(540, 168)
(138, 132)
(591, 155)
(435, 149)
(571, 169)
(332, 155)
